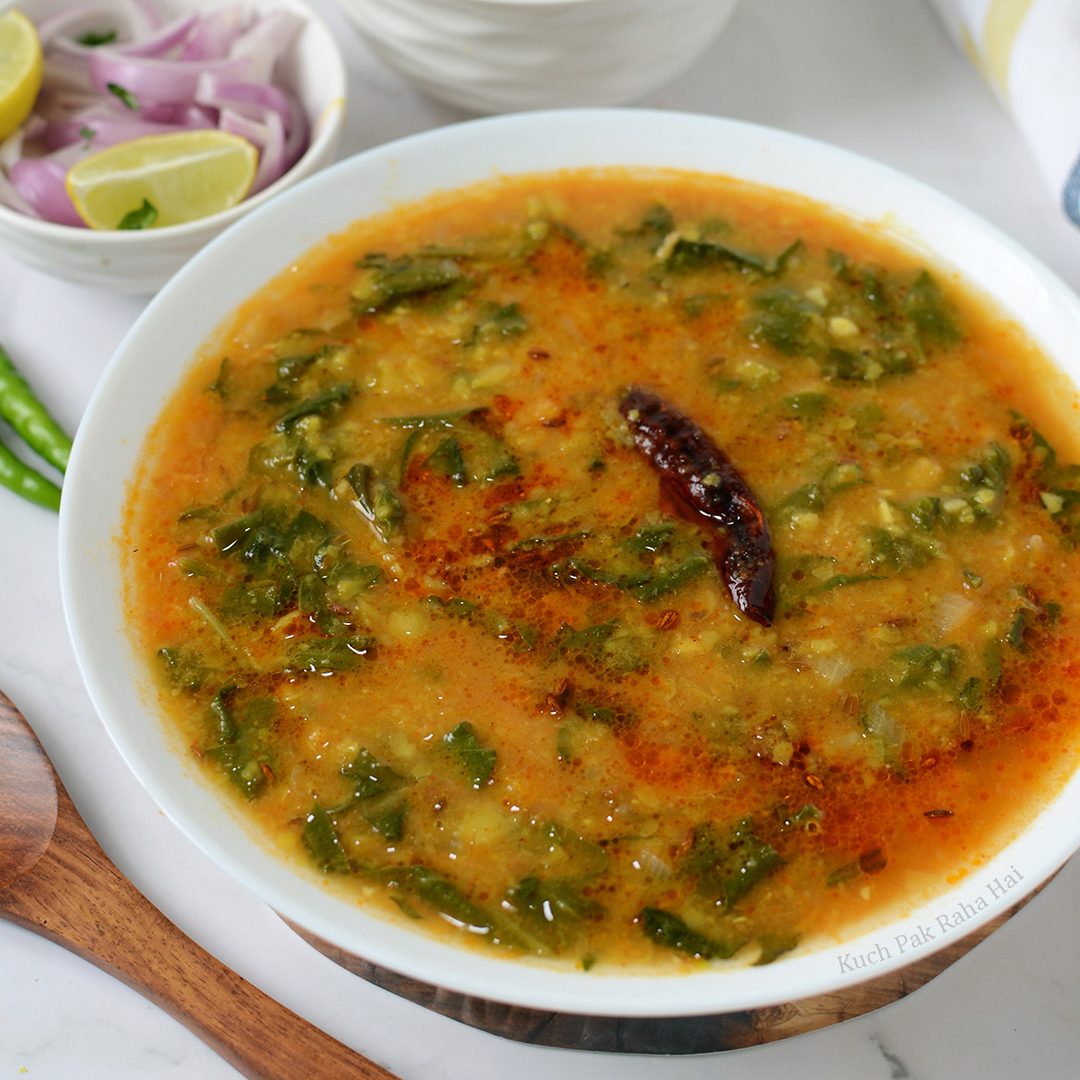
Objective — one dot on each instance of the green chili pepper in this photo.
(26, 482)
(22, 410)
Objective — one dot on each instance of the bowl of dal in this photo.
(576, 565)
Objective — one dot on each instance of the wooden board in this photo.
(665, 1035)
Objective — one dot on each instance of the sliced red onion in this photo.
(54, 104)
(167, 113)
(195, 116)
(95, 108)
(161, 42)
(260, 102)
(251, 99)
(158, 81)
(129, 19)
(11, 149)
(255, 131)
(40, 181)
(299, 133)
(268, 137)
(65, 26)
(10, 197)
(272, 160)
(214, 34)
(147, 12)
(266, 41)
(98, 133)
(67, 73)
(196, 71)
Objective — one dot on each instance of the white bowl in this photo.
(141, 262)
(504, 55)
(204, 293)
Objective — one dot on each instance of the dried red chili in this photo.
(703, 479)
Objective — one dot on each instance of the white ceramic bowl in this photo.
(141, 262)
(196, 301)
(504, 55)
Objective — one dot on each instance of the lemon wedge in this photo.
(162, 179)
(20, 70)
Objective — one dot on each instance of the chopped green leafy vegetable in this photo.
(781, 318)
(899, 551)
(183, 667)
(605, 644)
(689, 255)
(316, 405)
(443, 895)
(241, 739)
(1057, 485)
(649, 538)
(808, 405)
(842, 581)
(553, 909)
(498, 322)
(920, 667)
(426, 420)
(477, 760)
(448, 460)
(727, 867)
(319, 655)
(388, 822)
(773, 946)
(371, 777)
(384, 282)
(668, 929)
(377, 501)
(926, 307)
(321, 839)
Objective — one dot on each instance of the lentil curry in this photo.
(638, 569)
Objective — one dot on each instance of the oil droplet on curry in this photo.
(414, 589)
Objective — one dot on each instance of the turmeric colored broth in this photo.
(411, 591)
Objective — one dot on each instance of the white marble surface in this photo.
(877, 77)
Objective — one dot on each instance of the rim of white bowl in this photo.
(521, 143)
(325, 129)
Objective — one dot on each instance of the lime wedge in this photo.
(183, 176)
(20, 70)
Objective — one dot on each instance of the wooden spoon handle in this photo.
(78, 898)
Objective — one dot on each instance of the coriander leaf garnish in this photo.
(142, 217)
(127, 98)
(93, 38)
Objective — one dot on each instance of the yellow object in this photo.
(1003, 21)
(183, 176)
(20, 70)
